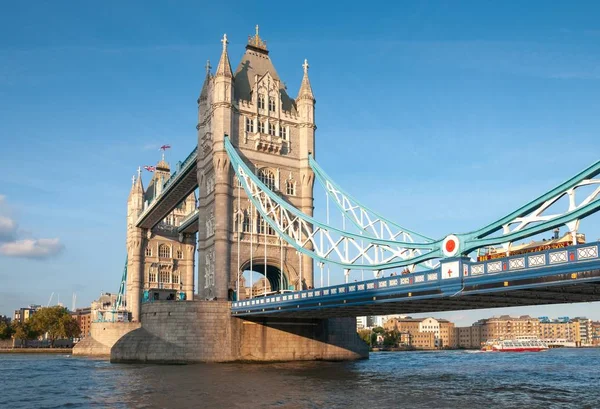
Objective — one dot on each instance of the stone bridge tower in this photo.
(160, 263)
(275, 134)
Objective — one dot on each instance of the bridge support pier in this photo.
(205, 331)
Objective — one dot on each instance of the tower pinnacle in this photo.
(224, 67)
(305, 88)
(225, 42)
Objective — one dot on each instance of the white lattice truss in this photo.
(325, 243)
(372, 224)
(537, 215)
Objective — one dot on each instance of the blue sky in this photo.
(443, 116)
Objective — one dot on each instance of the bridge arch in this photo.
(276, 279)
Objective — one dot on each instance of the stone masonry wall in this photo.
(204, 331)
(103, 335)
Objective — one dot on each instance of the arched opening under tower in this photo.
(254, 282)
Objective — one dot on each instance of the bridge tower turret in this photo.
(275, 134)
(306, 134)
(135, 248)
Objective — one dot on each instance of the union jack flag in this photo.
(165, 147)
(150, 168)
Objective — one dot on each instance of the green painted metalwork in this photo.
(323, 178)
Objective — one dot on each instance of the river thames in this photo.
(560, 378)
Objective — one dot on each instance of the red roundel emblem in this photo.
(450, 246)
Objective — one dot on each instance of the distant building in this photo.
(361, 323)
(423, 333)
(557, 331)
(582, 331)
(23, 314)
(561, 331)
(596, 333)
(374, 321)
(83, 316)
(103, 309)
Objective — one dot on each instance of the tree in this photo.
(5, 330)
(69, 328)
(55, 322)
(391, 338)
(23, 331)
(365, 335)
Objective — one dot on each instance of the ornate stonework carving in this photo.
(210, 184)
(267, 143)
(210, 224)
(206, 142)
(209, 269)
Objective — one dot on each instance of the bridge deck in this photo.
(567, 275)
(179, 186)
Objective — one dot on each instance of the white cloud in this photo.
(17, 243)
(8, 229)
(37, 249)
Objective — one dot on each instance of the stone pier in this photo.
(103, 335)
(205, 331)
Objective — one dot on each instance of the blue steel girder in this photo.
(545, 277)
(179, 186)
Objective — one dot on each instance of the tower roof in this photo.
(256, 61)
(224, 67)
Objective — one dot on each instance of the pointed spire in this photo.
(208, 67)
(305, 88)
(136, 186)
(224, 67)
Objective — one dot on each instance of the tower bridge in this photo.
(254, 168)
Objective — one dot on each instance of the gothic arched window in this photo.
(164, 251)
(268, 178)
(261, 127)
(264, 225)
(176, 278)
(179, 254)
(271, 129)
(290, 187)
(249, 125)
(261, 101)
(148, 251)
(271, 104)
(283, 132)
(246, 222)
(164, 276)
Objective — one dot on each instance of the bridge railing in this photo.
(533, 260)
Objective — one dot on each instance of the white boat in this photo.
(518, 344)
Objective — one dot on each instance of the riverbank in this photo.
(37, 351)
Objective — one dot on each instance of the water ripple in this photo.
(557, 379)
